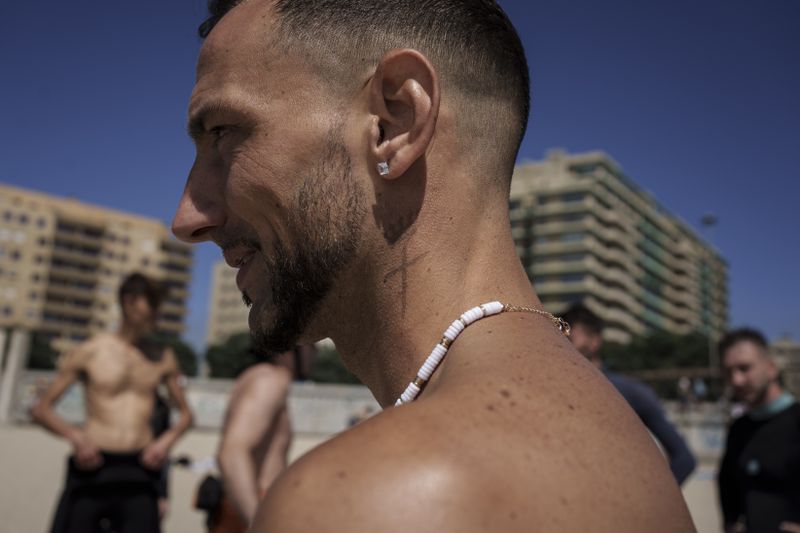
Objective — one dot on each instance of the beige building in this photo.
(585, 232)
(227, 313)
(61, 262)
(786, 352)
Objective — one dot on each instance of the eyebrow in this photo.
(196, 126)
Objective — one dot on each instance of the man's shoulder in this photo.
(261, 380)
(372, 466)
(263, 372)
(78, 357)
(411, 467)
(632, 389)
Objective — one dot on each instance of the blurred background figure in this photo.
(684, 393)
(159, 423)
(759, 478)
(256, 436)
(115, 470)
(587, 337)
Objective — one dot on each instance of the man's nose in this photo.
(200, 211)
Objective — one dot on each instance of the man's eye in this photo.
(218, 132)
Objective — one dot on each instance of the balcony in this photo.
(75, 259)
(68, 310)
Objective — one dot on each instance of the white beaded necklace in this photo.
(440, 350)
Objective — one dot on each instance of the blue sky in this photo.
(697, 101)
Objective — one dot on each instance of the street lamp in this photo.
(708, 221)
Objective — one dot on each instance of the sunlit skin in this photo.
(119, 384)
(516, 430)
(751, 373)
(256, 434)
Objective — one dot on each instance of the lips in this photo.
(240, 257)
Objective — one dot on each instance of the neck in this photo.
(131, 334)
(771, 393)
(387, 330)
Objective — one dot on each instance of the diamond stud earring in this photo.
(383, 168)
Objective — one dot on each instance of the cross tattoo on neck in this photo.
(403, 271)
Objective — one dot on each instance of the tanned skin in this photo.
(119, 383)
(516, 432)
(255, 436)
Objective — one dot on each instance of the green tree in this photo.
(328, 368)
(229, 359)
(185, 354)
(657, 350)
(41, 355)
(660, 350)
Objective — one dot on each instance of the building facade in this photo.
(786, 353)
(61, 263)
(585, 232)
(227, 313)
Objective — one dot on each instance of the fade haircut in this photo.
(742, 334)
(471, 43)
(138, 284)
(580, 314)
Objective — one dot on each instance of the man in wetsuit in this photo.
(587, 337)
(353, 161)
(115, 467)
(759, 477)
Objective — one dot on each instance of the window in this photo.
(572, 237)
(573, 197)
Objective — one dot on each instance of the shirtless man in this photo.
(354, 161)
(115, 467)
(256, 436)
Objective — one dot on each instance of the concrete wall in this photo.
(317, 410)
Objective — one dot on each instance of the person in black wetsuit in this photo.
(759, 477)
(587, 337)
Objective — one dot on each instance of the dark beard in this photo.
(326, 222)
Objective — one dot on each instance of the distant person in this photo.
(684, 392)
(759, 477)
(587, 337)
(114, 471)
(256, 436)
(353, 161)
(699, 389)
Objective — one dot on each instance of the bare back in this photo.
(256, 435)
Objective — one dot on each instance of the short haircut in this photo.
(742, 334)
(471, 43)
(580, 314)
(137, 284)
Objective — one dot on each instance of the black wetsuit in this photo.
(121, 497)
(645, 403)
(759, 478)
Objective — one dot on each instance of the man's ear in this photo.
(404, 101)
